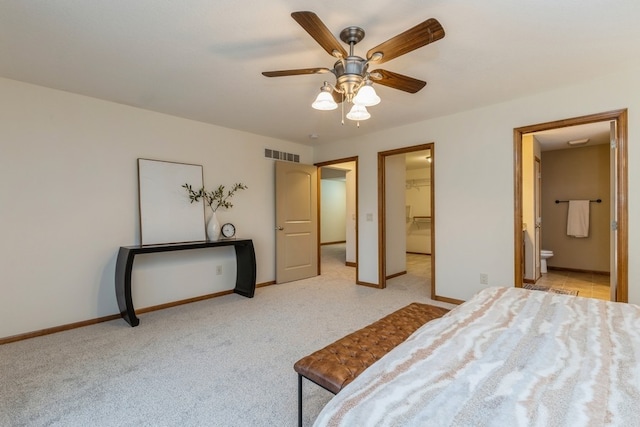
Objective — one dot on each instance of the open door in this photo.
(613, 181)
(537, 189)
(296, 221)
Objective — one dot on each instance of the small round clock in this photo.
(228, 230)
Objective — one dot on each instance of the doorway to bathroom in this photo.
(574, 161)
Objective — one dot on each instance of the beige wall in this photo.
(578, 173)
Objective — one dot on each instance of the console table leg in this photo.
(246, 270)
(124, 266)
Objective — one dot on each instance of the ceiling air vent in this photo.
(281, 155)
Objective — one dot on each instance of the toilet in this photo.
(544, 255)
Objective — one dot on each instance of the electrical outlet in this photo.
(484, 279)
(218, 270)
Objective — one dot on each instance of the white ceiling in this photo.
(202, 59)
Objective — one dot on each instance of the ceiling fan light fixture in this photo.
(358, 113)
(575, 142)
(353, 84)
(324, 101)
(367, 96)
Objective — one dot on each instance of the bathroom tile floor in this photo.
(589, 285)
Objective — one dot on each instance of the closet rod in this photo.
(592, 201)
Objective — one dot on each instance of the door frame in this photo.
(320, 166)
(620, 197)
(382, 232)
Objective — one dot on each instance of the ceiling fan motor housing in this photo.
(350, 74)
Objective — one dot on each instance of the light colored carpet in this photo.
(227, 361)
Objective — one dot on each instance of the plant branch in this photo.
(216, 198)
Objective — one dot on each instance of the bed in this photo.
(507, 357)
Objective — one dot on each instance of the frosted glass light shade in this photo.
(367, 96)
(358, 112)
(324, 101)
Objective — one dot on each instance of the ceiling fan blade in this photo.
(301, 71)
(421, 35)
(320, 33)
(397, 81)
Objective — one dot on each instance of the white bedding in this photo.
(507, 357)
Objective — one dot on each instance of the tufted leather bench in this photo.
(339, 363)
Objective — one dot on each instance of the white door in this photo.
(296, 221)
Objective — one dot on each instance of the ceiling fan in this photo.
(353, 78)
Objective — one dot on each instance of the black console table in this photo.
(245, 277)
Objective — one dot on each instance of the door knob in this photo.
(279, 228)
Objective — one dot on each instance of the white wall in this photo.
(69, 200)
(334, 211)
(474, 179)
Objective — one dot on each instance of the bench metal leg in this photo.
(299, 400)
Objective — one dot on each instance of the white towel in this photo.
(578, 218)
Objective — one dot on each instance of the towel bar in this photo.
(592, 201)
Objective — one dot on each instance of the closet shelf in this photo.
(419, 219)
(417, 183)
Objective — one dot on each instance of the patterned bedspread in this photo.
(507, 357)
